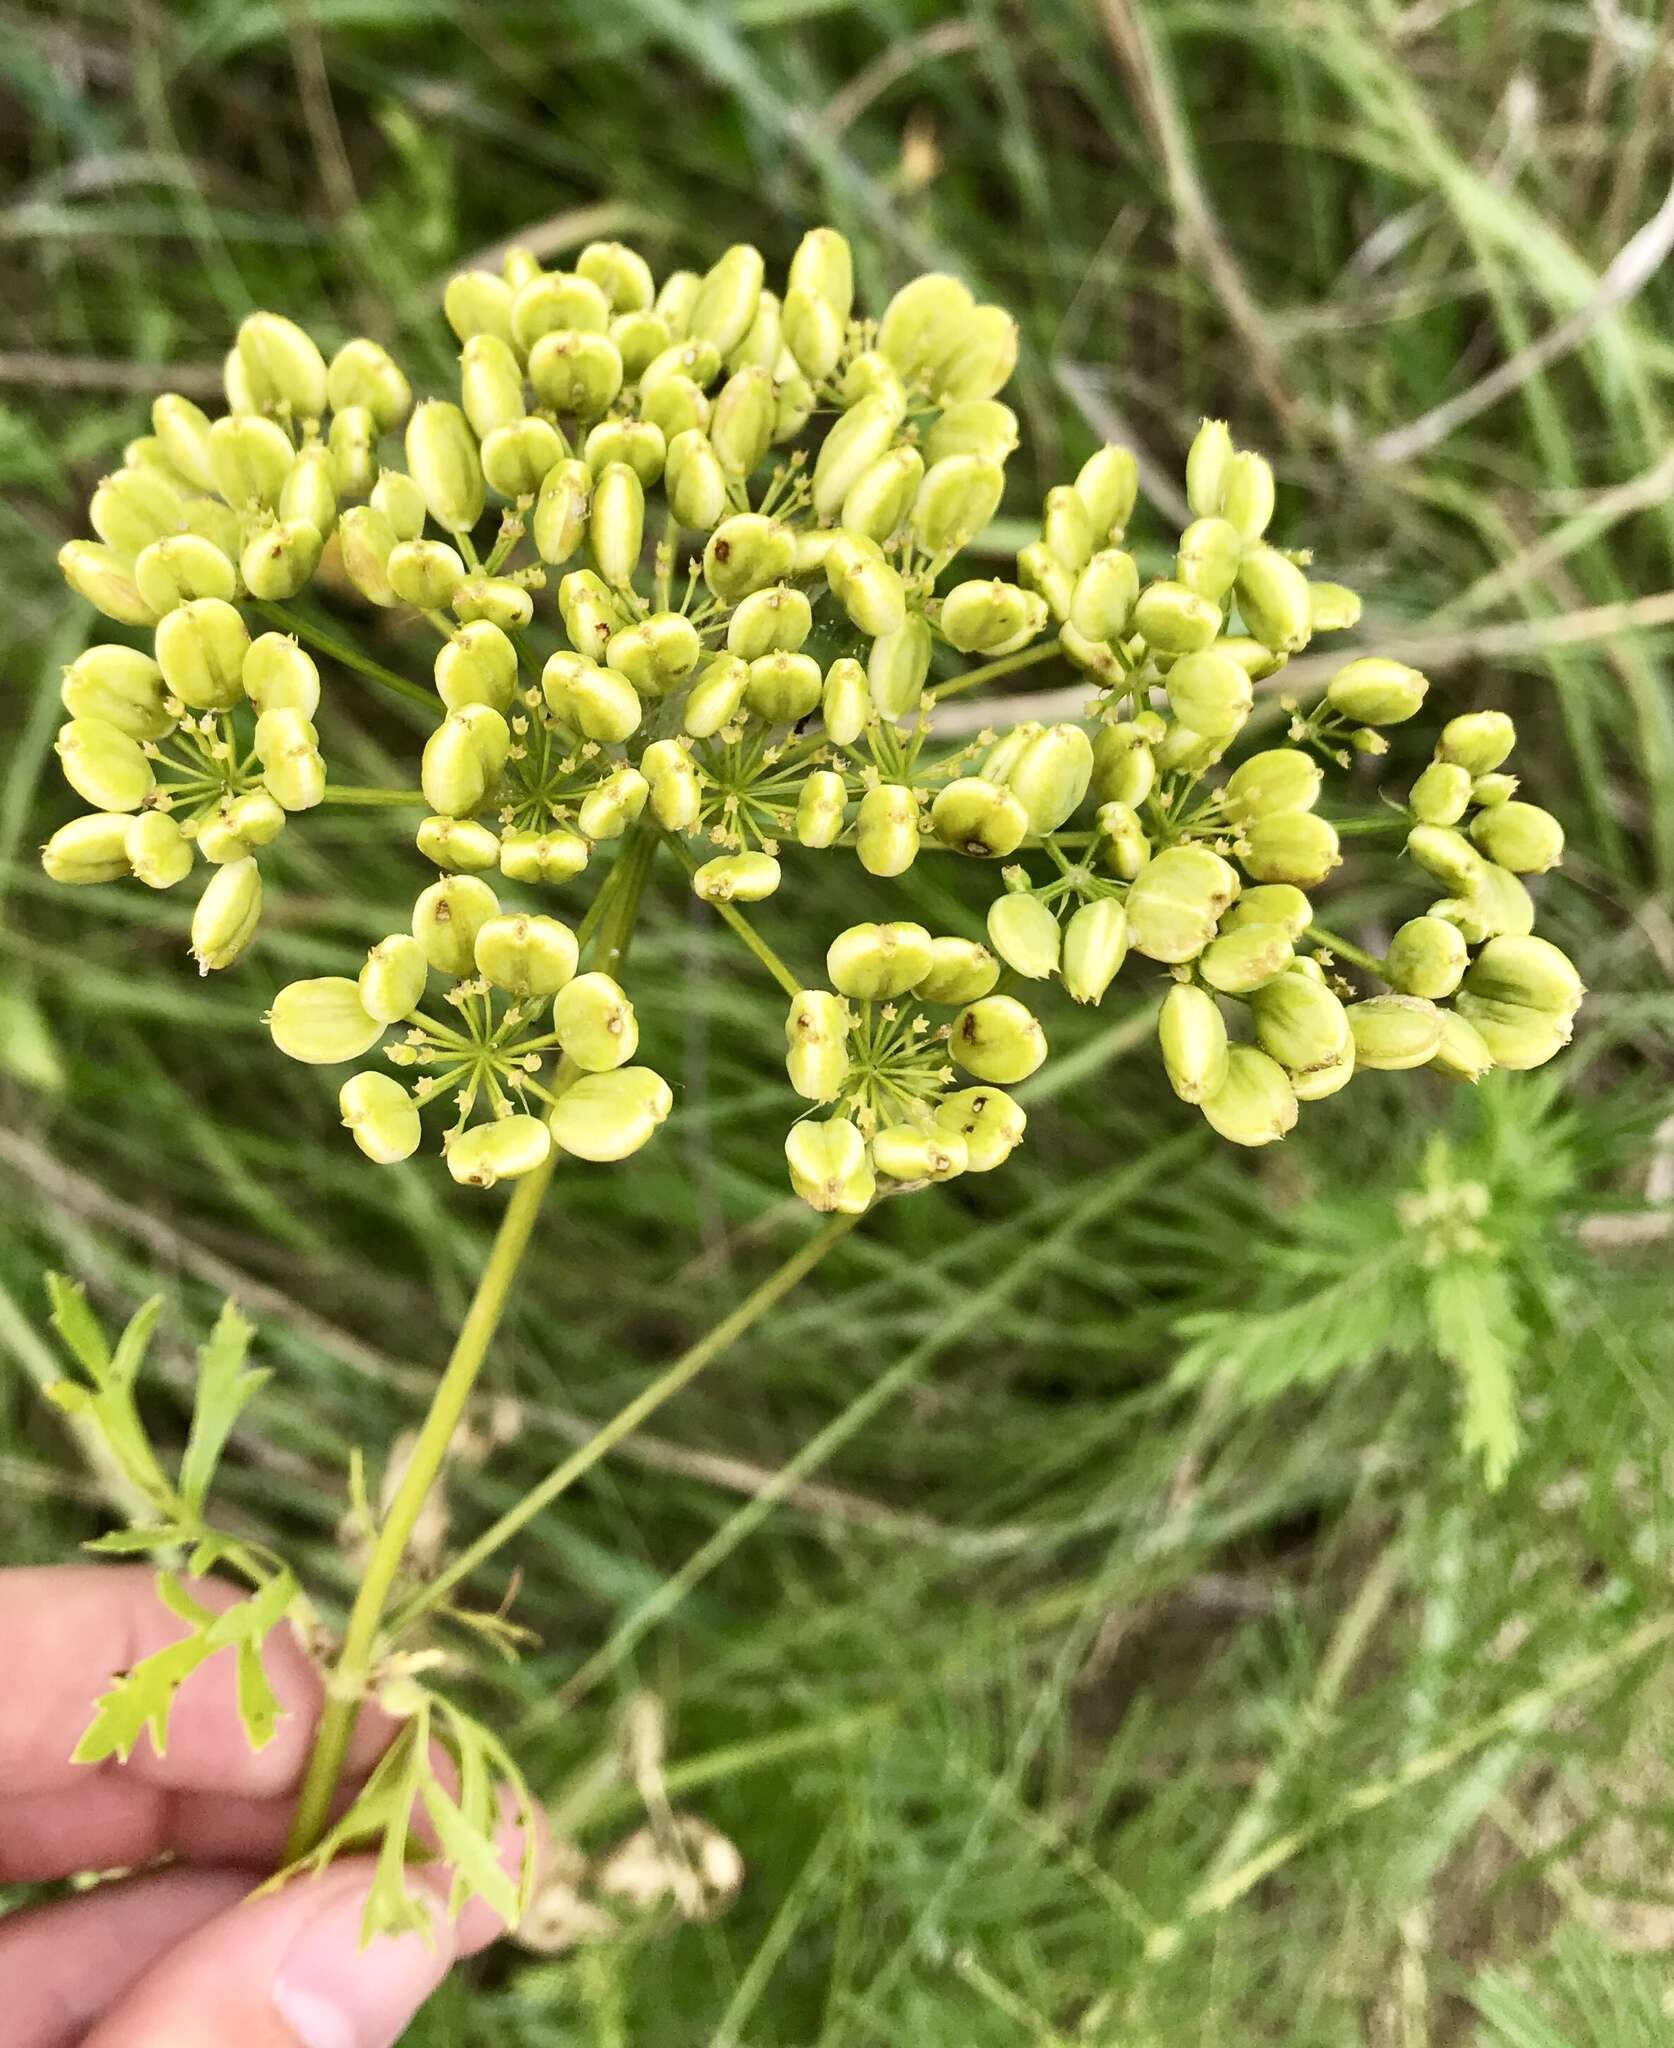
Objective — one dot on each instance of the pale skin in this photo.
(178, 1955)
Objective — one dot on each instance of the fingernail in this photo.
(333, 1993)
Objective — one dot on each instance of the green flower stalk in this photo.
(690, 564)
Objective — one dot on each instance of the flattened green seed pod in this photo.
(769, 621)
(89, 849)
(595, 1023)
(676, 298)
(1175, 901)
(562, 511)
(1447, 855)
(897, 667)
(1067, 527)
(737, 878)
(158, 851)
(1104, 595)
(979, 818)
(783, 688)
(442, 460)
(616, 527)
(816, 1035)
(478, 302)
(353, 447)
(726, 301)
(103, 765)
(813, 330)
(1294, 847)
(249, 459)
(1124, 768)
(1442, 794)
(1108, 484)
(1332, 607)
(555, 302)
(881, 497)
(1208, 558)
(173, 571)
(1427, 957)
(639, 443)
(1301, 1024)
(829, 1166)
(1210, 693)
(886, 829)
(621, 273)
(446, 919)
(958, 497)
(675, 406)
(868, 587)
(362, 373)
(504, 1150)
(1039, 570)
(997, 1039)
(1477, 740)
(695, 481)
(1247, 495)
(845, 701)
(1273, 600)
(1207, 461)
(392, 982)
(606, 1117)
(183, 430)
(1528, 971)
(1489, 790)
(227, 914)
(1377, 691)
(1256, 1103)
(279, 559)
(1239, 961)
(425, 573)
(1275, 903)
(460, 845)
(1175, 620)
(824, 264)
(1027, 937)
(309, 493)
(1271, 783)
(657, 654)
(923, 323)
(106, 580)
(640, 338)
(381, 1116)
(862, 436)
(1051, 774)
(611, 806)
(526, 956)
(365, 542)
(992, 617)
(542, 856)
(121, 686)
(283, 364)
(717, 696)
(520, 266)
(1521, 837)
(988, 1120)
(1396, 1032)
(763, 341)
(478, 665)
(1095, 945)
(1181, 746)
(676, 791)
(960, 970)
(742, 419)
(1517, 1038)
(517, 459)
(978, 426)
(875, 962)
(134, 508)
(821, 807)
(747, 552)
(1463, 1054)
(908, 1152)
(1317, 1083)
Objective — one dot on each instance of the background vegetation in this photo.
(1076, 1608)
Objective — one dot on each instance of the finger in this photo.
(63, 1965)
(116, 1822)
(289, 1971)
(74, 1628)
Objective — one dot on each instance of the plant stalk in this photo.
(346, 1687)
(351, 657)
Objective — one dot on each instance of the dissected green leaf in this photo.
(141, 1699)
(1476, 1328)
(224, 1389)
(76, 1323)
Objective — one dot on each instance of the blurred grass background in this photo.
(1048, 1696)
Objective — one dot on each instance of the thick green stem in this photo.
(731, 915)
(1347, 950)
(1009, 664)
(346, 1688)
(357, 797)
(667, 1384)
(350, 656)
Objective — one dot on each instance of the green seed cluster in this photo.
(745, 511)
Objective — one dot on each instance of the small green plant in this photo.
(757, 511)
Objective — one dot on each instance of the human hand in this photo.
(180, 1957)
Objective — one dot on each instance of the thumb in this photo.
(288, 1971)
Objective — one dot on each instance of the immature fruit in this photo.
(505, 1150)
(1301, 1024)
(997, 1039)
(1477, 740)
(1377, 691)
(978, 817)
(392, 981)
(1095, 945)
(595, 1023)
(988, 1120)
(606, 1117)
(381, 1116)
(1427, 957)
(1395, 1032)
(909, 1153)
(1193, 1037)
(960, 970)
(1176, 900)
(323, 1021)
(89, 849)
(526, 956)
(737, 878)
(446, 919)
(1210, 693)
(1026, 935)
(1519, 836)
(875, 962)
(1255, 1104)
(829, 1167)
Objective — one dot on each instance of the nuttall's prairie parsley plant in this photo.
(692, 556)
